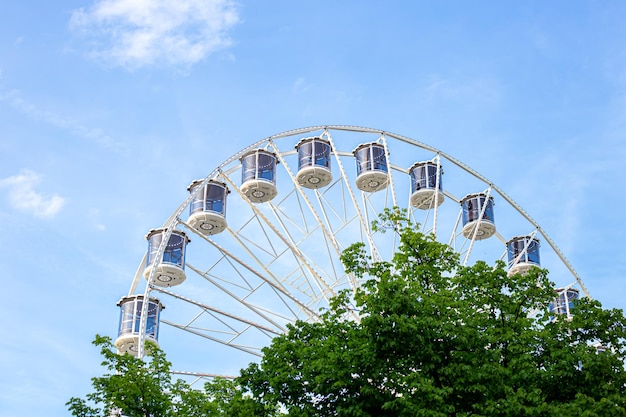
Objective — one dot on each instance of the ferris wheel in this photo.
(257, 243)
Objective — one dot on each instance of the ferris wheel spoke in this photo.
(215, 312)
(301, 194)
(312, 236)
(281, 294)
(200, 376)
(340, 218)
(273, 280)
(295, 251)
(283, 216)
(230, 257)
(251, 350)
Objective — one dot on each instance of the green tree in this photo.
(436, 338)
(133, 387)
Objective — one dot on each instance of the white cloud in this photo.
(23, 196)
(137, 33)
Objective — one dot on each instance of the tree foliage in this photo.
(133, 387)
(436, 338)
(433, 338)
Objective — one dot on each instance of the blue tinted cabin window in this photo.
(266, 167)
(137, 316)
(174, 252)
(571, 297)
(197, 204)
(526, 248)
(314, 153)
(362, 160)
(152, 323)
(322, 154)
(153, 247)
(127, 317)
(258, 166)
(215, 198)
(425, 176)
(211, 198)
(130, 317)
(564, 303)
(248, 168)
(371, 158)
(473, 206)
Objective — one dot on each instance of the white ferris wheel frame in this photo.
(270, 324)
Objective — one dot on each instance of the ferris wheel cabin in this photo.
(371, 167)
(563, 304)
(171, 270)
(207, 210)
(258, 176)
(523, 254)
(313, 163)
(482, 227)
(426, 185)
(130, 321)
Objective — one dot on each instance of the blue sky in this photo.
(109, 108)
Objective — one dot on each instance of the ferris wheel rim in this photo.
(171, 222)
(175, 219)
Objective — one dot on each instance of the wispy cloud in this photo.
(23, 196)
(138, 33)
(15, 99)
(486, 91)
(301, 85)
(94, 216)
